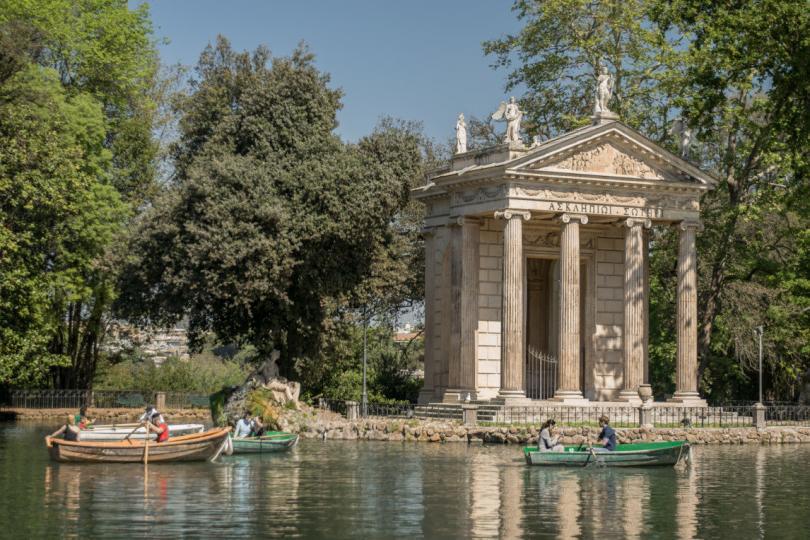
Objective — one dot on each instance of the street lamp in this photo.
(364, 397)
(760, 330)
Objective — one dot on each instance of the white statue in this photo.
(512, 114)
(604, 90)
(683, 132)
(461, 134)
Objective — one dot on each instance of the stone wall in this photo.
(490, 299)
(396, 430)
(173, 416)
(607, 342)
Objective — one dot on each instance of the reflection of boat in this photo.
(194, 447)
(625, 455)
(117, 432)
(271, 441)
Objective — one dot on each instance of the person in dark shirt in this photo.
(607, 437)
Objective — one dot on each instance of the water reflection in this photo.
(381, 490)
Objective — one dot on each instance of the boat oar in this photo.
(146, 448)
(139, 426)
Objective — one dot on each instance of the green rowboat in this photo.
(625, 455)
(271, 441)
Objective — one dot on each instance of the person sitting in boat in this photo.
(607, 437)
(549, 441)
(69, 430)
(243, 427)
(257, 426)
(81, 419)
(158, 425)
(147, 415)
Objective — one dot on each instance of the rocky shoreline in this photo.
(334, 427)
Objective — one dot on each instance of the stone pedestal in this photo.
(569, 342)
(469, 414)
(759, 416)
(634, 321)
(645, 416)
(513, 353)
(686, 367)
(352, 410)
(160, 400)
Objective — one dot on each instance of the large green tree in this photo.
(738, 73)
(76, 157)
(271, 222)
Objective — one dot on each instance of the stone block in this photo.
(486, 367)
(615, 306)
(604, 293)
(604, 268)
(614, 281)
(485, 338)
(489, 263)
(487, 287)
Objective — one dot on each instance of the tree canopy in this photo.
(272, 222)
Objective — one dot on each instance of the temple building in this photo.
(537, 275)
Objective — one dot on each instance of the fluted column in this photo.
(686, 365)
(512, 342)
(634, 321)
(569, 345)
(426, 395)
(464, 304)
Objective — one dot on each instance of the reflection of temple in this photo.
(536, 267)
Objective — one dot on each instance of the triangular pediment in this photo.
(604, 159)
(609, 151)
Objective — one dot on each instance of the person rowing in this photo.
(157, 424)
(607, 437)
(549, 441)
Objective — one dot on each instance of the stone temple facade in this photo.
(537, 268)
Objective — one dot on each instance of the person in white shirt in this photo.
(549, 442)
(243, 427)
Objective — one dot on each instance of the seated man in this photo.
(607, 437)
(69, 430)
(158, 425)
(243, 427)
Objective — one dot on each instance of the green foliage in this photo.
(337, 371)
(75, 147)
(272, 223)
(204, 373)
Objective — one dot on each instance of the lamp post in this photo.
(364, 397)
(760, 330)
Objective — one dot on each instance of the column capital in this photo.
(635, 222)
(509, 214)
(686, 224)
(568, 218)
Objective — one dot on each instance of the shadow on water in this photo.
(383, 490)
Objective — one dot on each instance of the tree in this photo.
(271, 221)
(737, 72)
(77, 140)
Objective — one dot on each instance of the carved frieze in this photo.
(551, 239)
(606, 159)
(678, 203)
(478, 195)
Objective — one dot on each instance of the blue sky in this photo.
(413, 59)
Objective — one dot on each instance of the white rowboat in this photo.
(119, 432)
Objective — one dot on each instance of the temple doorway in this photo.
(543, 324)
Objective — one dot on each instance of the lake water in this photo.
(351, 489)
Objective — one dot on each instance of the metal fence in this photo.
(102, 399)
(787, 415)
(726, 416)
(566, 415)
(541, 374)
(396, 410)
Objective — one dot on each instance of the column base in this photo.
(452, 395)
(570, 397)
(630, 397)
(688, 399)
(512, 398)
(426, 395)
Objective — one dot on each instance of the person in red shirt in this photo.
(158, 425)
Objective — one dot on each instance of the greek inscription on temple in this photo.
(653, 212)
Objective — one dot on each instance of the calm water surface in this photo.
(390, 490)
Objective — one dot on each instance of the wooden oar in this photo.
(146, 449)
(136, 429)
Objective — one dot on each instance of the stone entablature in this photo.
(560, 201)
